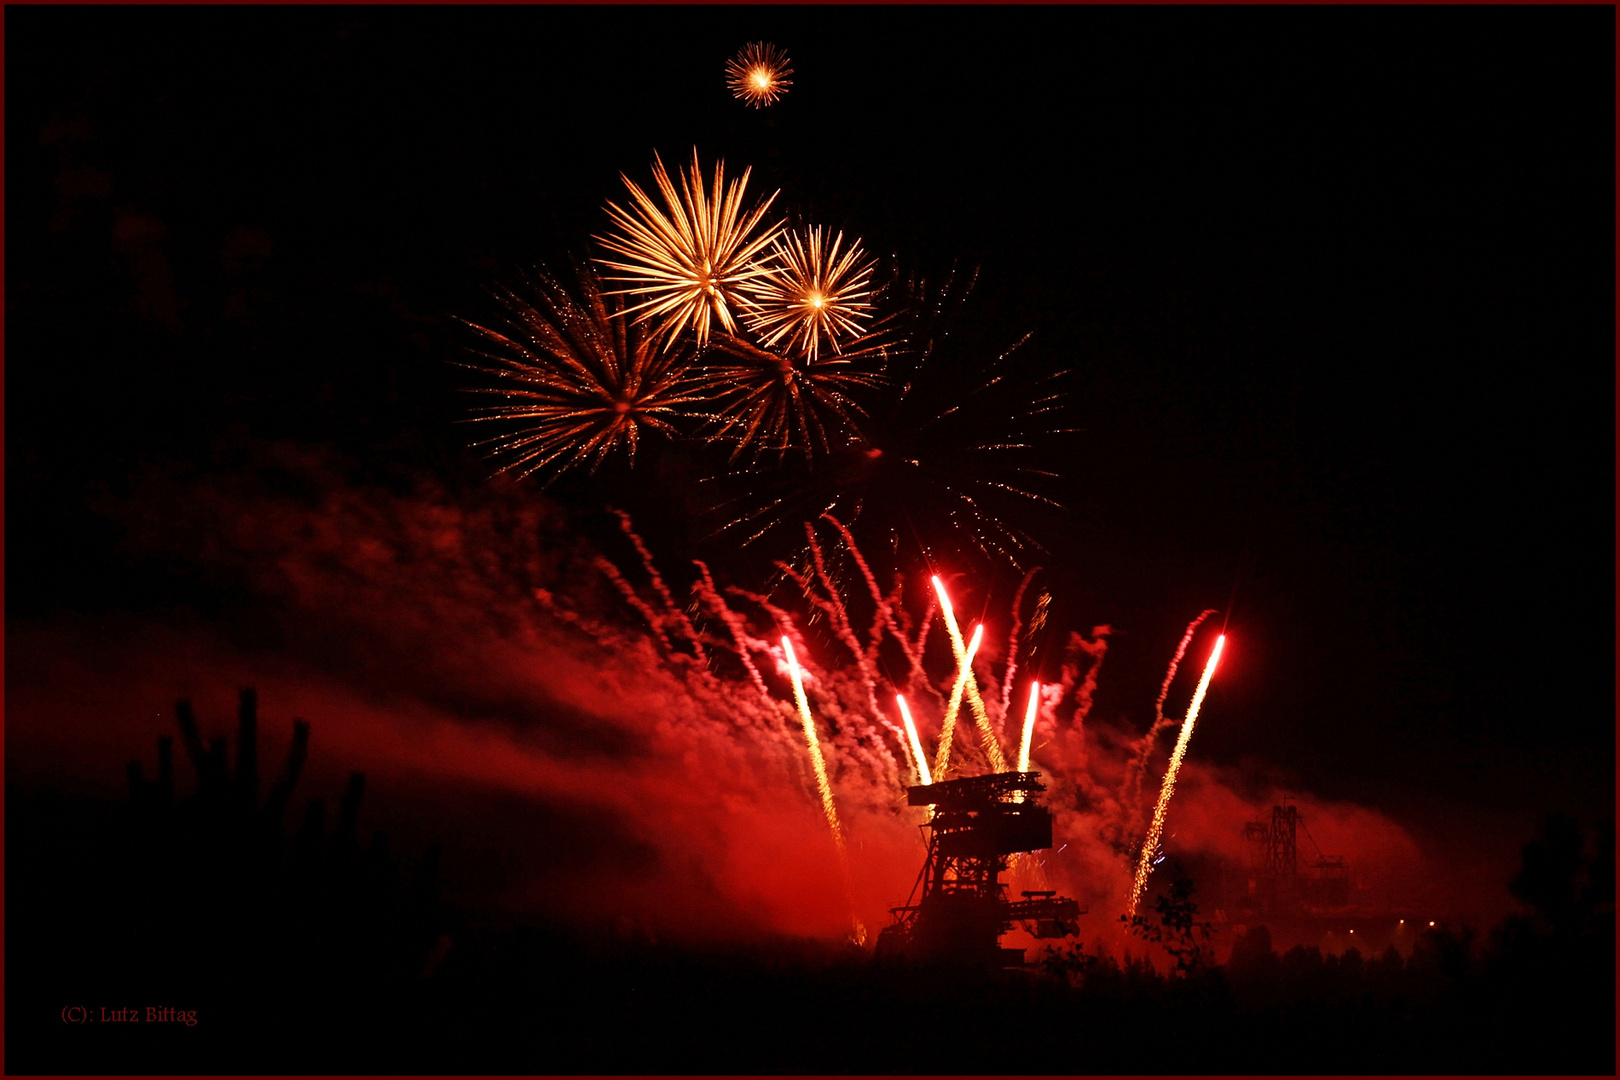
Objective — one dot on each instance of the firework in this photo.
(705, 588)
(964, 675)
(690, 263)
(917, 754)
(812, 294)
(1144, 865)
(1138, 765)
(822, 783)
(1029, 726)
(574, 381)
(1012, 644)
(758, 74)
(947, 458)
(992, 747)
(769, 403)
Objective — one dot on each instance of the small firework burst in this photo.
(812, 293)
(692, 262)
(769, 403)
(575, 379)
(758, 74)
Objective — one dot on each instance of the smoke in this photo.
(588, 746)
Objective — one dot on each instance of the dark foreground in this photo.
(304, 949)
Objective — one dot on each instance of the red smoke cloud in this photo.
(572, 766)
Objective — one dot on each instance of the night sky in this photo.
(1335, 286)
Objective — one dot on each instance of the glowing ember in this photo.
(964, 675)
(917, 755)
(1145, 865)
(822, 783)
(992, 747)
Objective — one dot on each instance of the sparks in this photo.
(813, 295)
(822, 783)
(1145, 866)
(769, 404)
(575, 382)
(964, 676)
(692, 262)
(1029, 726)
(917, 754)
(758, 74)
(992, 747)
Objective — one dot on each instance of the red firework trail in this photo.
(653, 620)
(885, 605)
(1029, 726)
(992, 748)
(733, 621)
(837, 615)
(1144, 865)
(918, 756)
(948, 731)
(1012, 644)
(675, 613)
(823, 784)
(1138, 765)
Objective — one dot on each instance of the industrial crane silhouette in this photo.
(963, 909)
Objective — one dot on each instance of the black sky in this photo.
(1336, 284)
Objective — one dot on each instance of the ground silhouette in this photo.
(302, 949)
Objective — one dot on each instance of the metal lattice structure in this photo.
(1274, 853)
(963, 908)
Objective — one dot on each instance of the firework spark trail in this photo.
(783, 619)
(635, 601)
(918, 757)
(948, 731)
(992, 746)
(883, 762)
(885, 605)
(832, 605)
(822, 783)
(1012, 646)
(675, 614)
(1144, 865)
(733, 621)
(825, 787)
(1144, 748)
(838, 615)
(923, 630)
(1029, 726)
(1097, 649)
(593, 629)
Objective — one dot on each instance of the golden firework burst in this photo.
(575, 379)
(691, 262)
(758, 74)
(811, 294)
